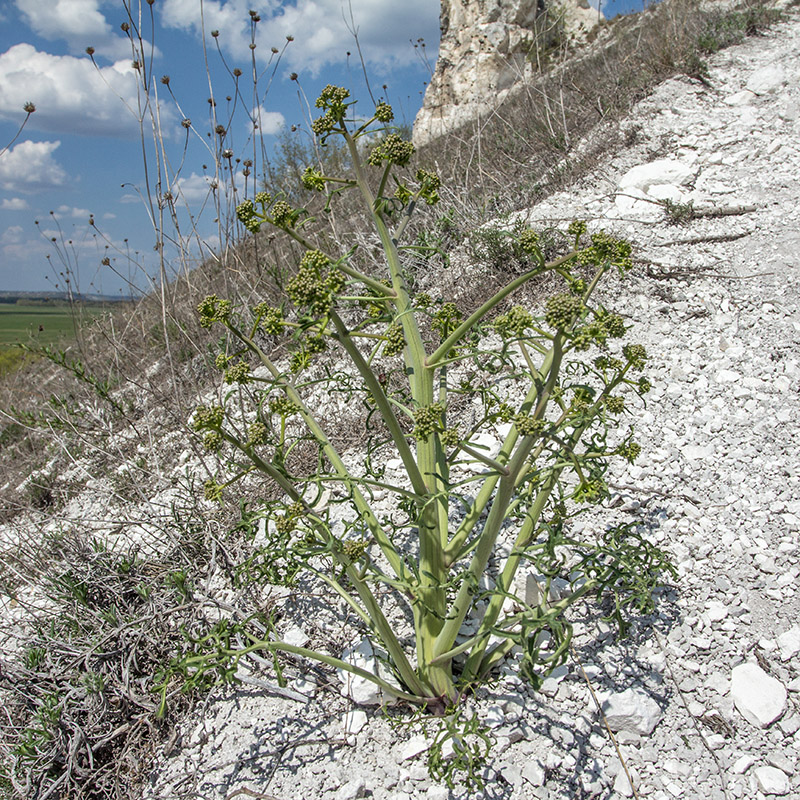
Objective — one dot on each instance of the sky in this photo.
(76, 200)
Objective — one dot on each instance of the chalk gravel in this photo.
(703, 694)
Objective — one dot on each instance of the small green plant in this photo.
(463, 518)
(679, 213)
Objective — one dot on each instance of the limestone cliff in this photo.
(487, 48)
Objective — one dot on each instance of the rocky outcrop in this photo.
(487, 48)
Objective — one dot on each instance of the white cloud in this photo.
(14, 204)
(79, 22)
(196, 188)
(30, 167)
(319, 27)
(269, 122)
(71, 95)
(12, 235)
(71, 211)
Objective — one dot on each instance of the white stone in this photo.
(361, 690)
(533, 772)
(437, 793)
(767, 79)
(742, 764)
(716, 611)
(657, 173)
(771, 780)
(622, 785)
(742, 98)
(633, 711)
(353, 722)
(789, 643)
(412, 748)
(352, 789)
(295, 636)
(728, 376)
(759, 698)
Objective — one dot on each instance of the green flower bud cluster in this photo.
(644, 386)
(528, 426)
(247, 215)
(283, 406)
(423, 301)
(312, 287)
(615, 404)
(393, 149)
(238, 373)
(313, 180)
(288, 522)
(300, 360)
(212, 310)
(576, 228)
(562, 309)
(504, 413)
(283, 215)
(402, 193)
(450, 437)
(591, 491)
(612, 324)
(208, 418)
(429, 185)
(630, 451)
(383, 112)
(446, 319)
(529, 242)
(605, 249)
(607, 362)
(395, 340)
(635, 354)
(221, 361)
(427, 420)
(513, 322)
(212, 441)
(332, 100)
(576, 285)
(604, 326)
(315, 345)
(212, 491)
(257, 434)
(582, 397)
(354, 549)
(271, 319)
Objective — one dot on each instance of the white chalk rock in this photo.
(767, 79)
(360, 690)
(771, 781)
(759, 698)
(789, 643)
(633, 711)
(353, 722)
(352, 789)
(657, 173)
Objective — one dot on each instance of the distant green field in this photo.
(40, 324)
(36, 324)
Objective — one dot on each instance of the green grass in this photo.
(43, 324)
(38, 324)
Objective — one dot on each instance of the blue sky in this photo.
(80, 154)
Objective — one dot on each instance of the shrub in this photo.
(463, 519)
